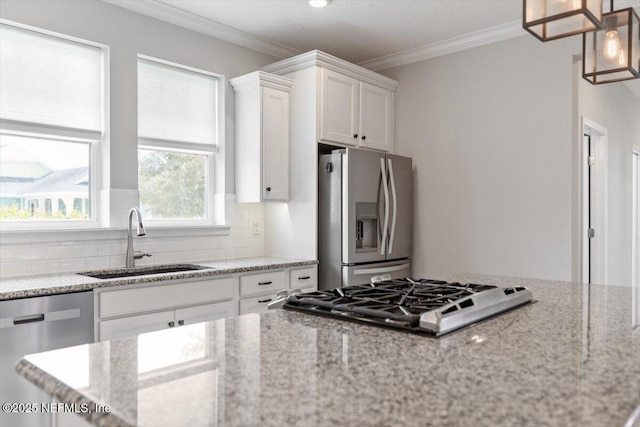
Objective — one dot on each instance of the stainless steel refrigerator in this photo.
(364, 218)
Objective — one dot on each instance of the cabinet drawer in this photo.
(262, 284)
(303, 278)
(255, 304)
(132, 301)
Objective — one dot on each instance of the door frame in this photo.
(599, 216)
(635, 255)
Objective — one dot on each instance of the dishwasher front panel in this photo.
(33, 325)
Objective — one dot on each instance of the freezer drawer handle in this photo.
(382, 269)
(262, 301)
(28, 319)
(304, 278)
(264, 283)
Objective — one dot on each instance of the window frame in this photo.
(96, 140)
(210, 150)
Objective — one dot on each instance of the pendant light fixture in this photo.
(554, 19)
(612, 54)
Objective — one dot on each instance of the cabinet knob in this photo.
(268, 188)
(181, 322)
(355, 135)
(172, 324)
(364, 137)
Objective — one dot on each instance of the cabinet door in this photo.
(338, 108)
(204, 313)
(376, 117)
(275, 144)
(134, 325)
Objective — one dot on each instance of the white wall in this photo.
(616, 108)
(490, 132)
(128, 34)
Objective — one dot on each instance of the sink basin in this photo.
(142, 271)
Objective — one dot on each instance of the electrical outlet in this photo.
(256, 228)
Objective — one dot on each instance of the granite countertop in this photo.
(50, 284)
(570, 359)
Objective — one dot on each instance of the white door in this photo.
(376, 117)
(275, 144)
(338, 108)
(204, 313)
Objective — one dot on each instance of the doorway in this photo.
(594, 203)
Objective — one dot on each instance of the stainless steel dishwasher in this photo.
(32, 325)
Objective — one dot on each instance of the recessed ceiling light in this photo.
(319, 3)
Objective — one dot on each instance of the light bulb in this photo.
(612, 45)
(319, 3)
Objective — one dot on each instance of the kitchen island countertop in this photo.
(570, 359)
(61, 283)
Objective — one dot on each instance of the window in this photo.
(51, 125)
(178, 135)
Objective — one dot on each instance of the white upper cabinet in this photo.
(376, 117)
(339, 108)
(262, 137)
(354, 112)
(275, 144)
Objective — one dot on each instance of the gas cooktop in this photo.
(432, 307)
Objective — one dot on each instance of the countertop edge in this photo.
(68, 395)
(91, 283)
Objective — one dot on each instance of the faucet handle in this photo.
(140, 254)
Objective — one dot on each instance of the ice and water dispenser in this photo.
(366, 227)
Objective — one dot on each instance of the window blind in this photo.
(176, 104)
(48, 80)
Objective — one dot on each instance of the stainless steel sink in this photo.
(143, 271)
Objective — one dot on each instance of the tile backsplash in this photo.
(77, 255)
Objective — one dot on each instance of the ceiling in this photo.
(356, 30)
(376, 34)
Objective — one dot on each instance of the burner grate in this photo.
(396, 300)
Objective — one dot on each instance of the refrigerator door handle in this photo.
(395, 207)
(382, 269)
(385, 187)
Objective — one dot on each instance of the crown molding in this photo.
(445, 47)
(263, 79)
(317, 58)
(174, 15)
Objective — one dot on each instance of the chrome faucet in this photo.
(131, 254)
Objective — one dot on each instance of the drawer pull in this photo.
(28, 319)
(304, 278)
(172, 324)
(262, 301)
(180, 322)
(265, 283)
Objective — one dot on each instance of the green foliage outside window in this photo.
(172, 185)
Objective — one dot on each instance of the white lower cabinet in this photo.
(124, 312)
(135, 309)
(263, 287)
